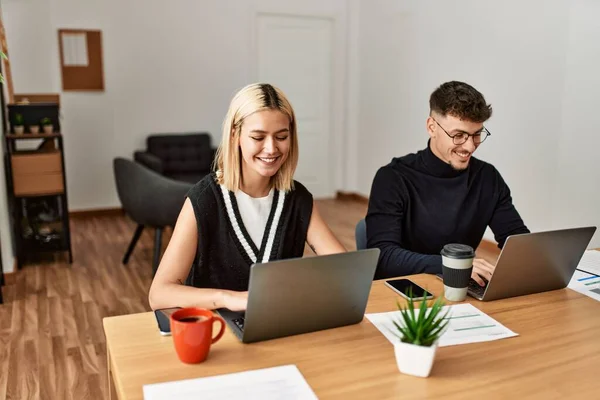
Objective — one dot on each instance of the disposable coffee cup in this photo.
(457, 265)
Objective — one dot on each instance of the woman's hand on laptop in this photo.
(235, 301)
(482, 269)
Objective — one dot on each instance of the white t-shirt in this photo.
(255, 213)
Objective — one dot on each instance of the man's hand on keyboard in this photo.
(482, 270)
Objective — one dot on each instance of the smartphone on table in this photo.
(163, 318)
(404, 286)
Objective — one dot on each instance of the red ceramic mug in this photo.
(192, 331)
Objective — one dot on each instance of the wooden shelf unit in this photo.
(35, 178)
(33, 135)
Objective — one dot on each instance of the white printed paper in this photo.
(590, 262)
(285, 382)
(75, 53)
(587, 284)
(466, 324)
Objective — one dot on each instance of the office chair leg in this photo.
(157, 244)
(134, 239)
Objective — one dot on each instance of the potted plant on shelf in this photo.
(418, 331)
(34, 129)
(47, 125)
(18, 124)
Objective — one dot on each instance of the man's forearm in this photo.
(396, 261)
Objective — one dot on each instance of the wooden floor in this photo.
(52, 345)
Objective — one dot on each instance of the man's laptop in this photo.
(534, 262)
(301, 295)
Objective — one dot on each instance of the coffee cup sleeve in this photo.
(456, 278)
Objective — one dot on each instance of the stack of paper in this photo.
(284, 382)
(466, 324)
(590, 262)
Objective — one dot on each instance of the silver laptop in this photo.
(535, 262)
(300, 295)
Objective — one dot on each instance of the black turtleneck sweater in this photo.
(418, 203)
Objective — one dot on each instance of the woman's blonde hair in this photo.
(251, 99)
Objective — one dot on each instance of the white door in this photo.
(295, 54)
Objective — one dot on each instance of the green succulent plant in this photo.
(45, 121)
(19, 120)
(417, 326)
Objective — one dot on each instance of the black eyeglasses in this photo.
(462, 137)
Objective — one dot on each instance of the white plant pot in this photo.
(19, 129)
(48, 128)
(34, 129)
(415, 360)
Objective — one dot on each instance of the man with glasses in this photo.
(441, 194)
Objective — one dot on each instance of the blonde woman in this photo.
(249, 210)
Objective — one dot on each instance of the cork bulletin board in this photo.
(81, 59)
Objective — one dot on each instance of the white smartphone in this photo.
(404, 286)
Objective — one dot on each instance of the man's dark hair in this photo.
(460, 100)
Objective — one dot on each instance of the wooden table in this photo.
(556, 355)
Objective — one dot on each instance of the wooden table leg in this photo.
(112, 392)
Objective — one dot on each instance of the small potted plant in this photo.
(34, 129)
(418, 331)
(47, 125)
(18, 124)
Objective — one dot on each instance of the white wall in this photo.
(169, 67)
(353, 82)
(577, 185)
(28, 26)
(515, 53)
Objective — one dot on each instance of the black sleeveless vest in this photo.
(225, 251)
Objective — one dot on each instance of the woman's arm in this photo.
(168, 287)
(319, 237)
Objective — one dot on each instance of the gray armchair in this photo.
(149, 199)
(184, 157)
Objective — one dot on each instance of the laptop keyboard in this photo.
(476, 289)
(239, 322)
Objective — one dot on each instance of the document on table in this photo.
(466, 324)
(285, 382)
(584, 283)
(590, 262)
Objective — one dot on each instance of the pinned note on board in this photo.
(75, 53)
